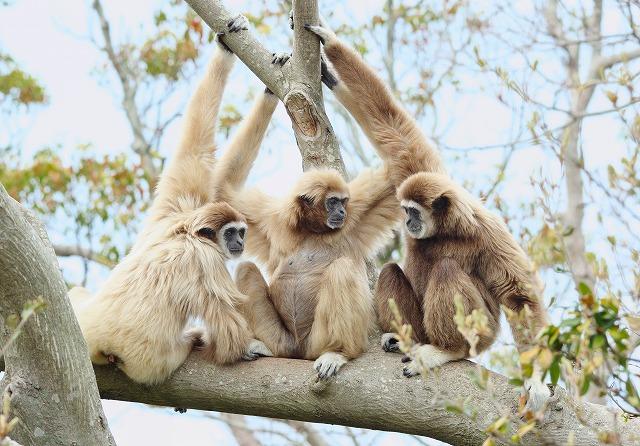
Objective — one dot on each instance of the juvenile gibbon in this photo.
(313, 243)
(454, 245)
(176, 269)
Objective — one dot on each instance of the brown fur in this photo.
(173, 272)
(473, 253)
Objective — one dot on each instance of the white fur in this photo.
(220, 236)
(538, 392)
(328, 364)
(428, 224)
(386, 337)
(427, 357)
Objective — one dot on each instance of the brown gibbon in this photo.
(176, 269)
(317, 304)
(454, 245)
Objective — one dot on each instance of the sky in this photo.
(52, 41)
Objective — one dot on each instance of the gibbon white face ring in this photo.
(418, 221)
(231, 238)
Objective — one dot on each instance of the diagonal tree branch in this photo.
(127, 80)
(297, 84)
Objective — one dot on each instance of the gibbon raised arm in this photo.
(176, 269)
(455, 247)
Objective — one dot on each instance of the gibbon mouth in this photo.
(236, 251)
(335, 224)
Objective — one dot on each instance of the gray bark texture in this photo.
(48, 372)
(369, 392)
(297, 84)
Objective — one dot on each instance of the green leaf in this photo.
(554, 371)
(585, 385)
(597, 341)
(584, 289)
(516, 382)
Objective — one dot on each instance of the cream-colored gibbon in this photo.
(317, 304)
(176, 269)
(454, 245)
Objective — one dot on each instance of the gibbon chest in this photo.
(294, 289)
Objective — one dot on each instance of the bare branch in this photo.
(79, 251)
(140, 144)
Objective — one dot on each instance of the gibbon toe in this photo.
(538, 394)
(238, 23)
(328, 364)
(390, 343)
(255, 350)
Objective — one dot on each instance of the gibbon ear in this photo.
(441, 203)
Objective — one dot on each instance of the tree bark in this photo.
(48, 372)
(297, 84)
(370, 392)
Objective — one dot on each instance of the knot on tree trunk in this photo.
(302, 112)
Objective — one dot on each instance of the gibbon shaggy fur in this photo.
(317, 304)
(454, 245)
(176, 269)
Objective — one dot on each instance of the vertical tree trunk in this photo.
(48, 373)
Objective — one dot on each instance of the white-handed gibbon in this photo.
(176, 269)
(317, 304)
(455, 246)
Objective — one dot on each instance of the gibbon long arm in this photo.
(189, 172)
(234, 166)
(391, 130)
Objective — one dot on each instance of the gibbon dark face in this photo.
(221, 224)
(426, 205)
(321, 202)
(336, 211)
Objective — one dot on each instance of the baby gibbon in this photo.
(455, 247)
(176, 269)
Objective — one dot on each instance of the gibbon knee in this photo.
(448, 280)
(393, 284)
(250, 281)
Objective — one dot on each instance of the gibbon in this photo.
(176, 269)
(455, 246)
(313, 243)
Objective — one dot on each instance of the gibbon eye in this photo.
(241, 232)
(228, 234)
(207, 233)
(405, 209)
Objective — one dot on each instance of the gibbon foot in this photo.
(255, 350)
(324, 34)
(112, 359)
(538, 394)
(326, 75)
(390, 343)
(280, 58)
(239, 23)
(180, 409)
(328, 364)
(427, 357)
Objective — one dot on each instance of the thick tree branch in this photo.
(297, 84)
(48, 372)
(370, 392)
